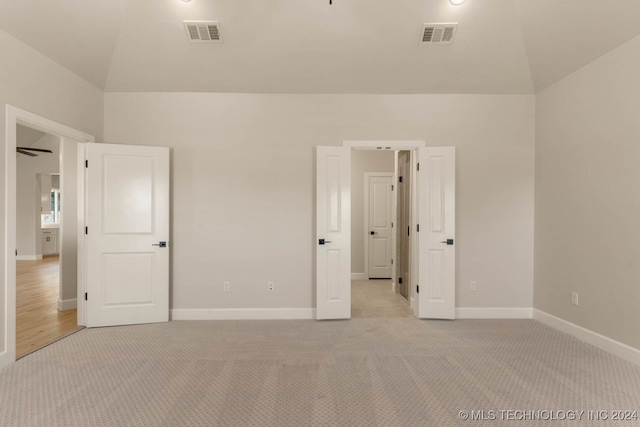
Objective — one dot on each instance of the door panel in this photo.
(333, 233)
(437, 233)
(128, 197)
(380, 231)
(127, 216)
(404, 222)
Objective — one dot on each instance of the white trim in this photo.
(243, 314)
(28, 257)
(13, 117)
(609, 345)
(5, 360)
(384, 145)
(359, 276)
(81, 205)
(67, 304)
(493, 313)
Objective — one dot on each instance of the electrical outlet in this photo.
(270, 286)
(574, 298)
(472, 285)
(227, 286)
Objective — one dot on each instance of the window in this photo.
(54, 216)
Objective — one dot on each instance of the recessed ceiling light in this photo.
(186, 1)
(457, 2)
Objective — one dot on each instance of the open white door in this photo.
(333, 233)
(436, 238)
(127, 218)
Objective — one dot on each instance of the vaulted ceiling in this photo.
(310, 46)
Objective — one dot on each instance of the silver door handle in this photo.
(448, 241)
(322, 241)
(160, 244)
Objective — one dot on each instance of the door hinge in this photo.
(418, 166)
(400, 280)
(418, 228)
(417, 289)
(408, 230)
(16, 252)
(86, 230)
(399, 179)
(86, 296)
(392, 187)
(86, 163)
(391, 261)
(391, 225)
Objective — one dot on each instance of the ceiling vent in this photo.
(203, 32)
(438, 33)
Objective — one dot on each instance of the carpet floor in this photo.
(361, 372)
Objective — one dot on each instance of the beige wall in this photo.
(587, 205)
(243, 193)
(32, 82)
(361, 162)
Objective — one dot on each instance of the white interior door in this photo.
(333, 233)
(379, 225)
(127, 219)
(436, 238)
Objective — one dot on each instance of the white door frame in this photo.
(367, 229)
(412, 145)
(15, 116)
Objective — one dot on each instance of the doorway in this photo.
(72, 195)
(432, 268)
(374, 288)
(46, 282)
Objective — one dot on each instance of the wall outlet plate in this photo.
(574, 298)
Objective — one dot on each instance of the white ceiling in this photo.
(294, 46)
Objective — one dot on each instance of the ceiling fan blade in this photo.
(41, 150)
(26, 152)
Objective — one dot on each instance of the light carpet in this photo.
(361, 372)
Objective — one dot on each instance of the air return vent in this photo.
(438, 33)
(203, 32)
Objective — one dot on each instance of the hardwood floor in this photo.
(38, 321)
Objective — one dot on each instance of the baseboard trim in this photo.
(28, 257)
(359, 276)
(243, 314)
(602, 342)
(493, 313)
(5, 360)
(67, 304)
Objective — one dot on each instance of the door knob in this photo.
(322, 241)
(372, 232)
(160, 244)
(448, 241)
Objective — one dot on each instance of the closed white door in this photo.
(379, 230)
(436, 237)
(333, 233)
(127, 235)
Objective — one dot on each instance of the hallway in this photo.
(375, 299)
